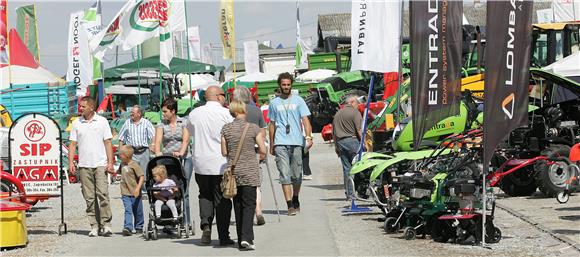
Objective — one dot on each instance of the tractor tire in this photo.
(551, 179)
(519, 183)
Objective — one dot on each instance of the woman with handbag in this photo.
(238, 145)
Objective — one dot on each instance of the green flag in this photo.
(92, 24)
(26, 27)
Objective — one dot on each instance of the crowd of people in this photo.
(207, 142)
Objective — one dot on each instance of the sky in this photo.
(254, 20)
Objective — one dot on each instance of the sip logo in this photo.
(507, 105)
(34, 131)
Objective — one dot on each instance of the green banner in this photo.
(26, 27)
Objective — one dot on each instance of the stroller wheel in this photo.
(192, 229)
(496, 236)
(391, 225)
(563, 197)
(410, 233)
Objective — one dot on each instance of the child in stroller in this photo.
(166, 198)
(167, 192)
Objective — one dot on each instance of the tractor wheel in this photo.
(519, 183)
(551, 178)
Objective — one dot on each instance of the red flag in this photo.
(3, 35)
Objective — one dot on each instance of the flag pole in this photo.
(139, 74)
(160, 82)
(37, 37)
(7, 49)
(234, 42)
(400, 74)
(188, 54)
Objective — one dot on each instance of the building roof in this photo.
(338, 24)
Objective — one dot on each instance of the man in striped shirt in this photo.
(137, 132)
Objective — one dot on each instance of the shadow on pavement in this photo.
(328, 187)
(577, 208)
(566, 231)
(570, 217)
(340, 199)
(43, 232)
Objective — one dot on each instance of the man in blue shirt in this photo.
(288, 114)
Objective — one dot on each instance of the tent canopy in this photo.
(177, 66)
(567, 67)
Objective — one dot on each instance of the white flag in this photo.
(110, 36)
(150, 18)
(375, 35)
(566, 10)
(251, 57)
(80, 66)
(140, 20)
(194, 43)
(206, 56)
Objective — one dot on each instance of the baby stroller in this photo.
(175, 173)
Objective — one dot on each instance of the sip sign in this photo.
(35, 154)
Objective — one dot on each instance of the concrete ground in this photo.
(321, 229)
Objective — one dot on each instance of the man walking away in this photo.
(205, 125)
(346, 131)
(92, 134)
(137, 132)
(254, 116)
(288, 114)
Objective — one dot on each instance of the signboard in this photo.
(35, 154)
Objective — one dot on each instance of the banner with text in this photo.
(80, 62)
(376, 35)
(194, 43)
(3, 33)
(509, 24)
(226, 24)
(435, 34)
(35, 154)
(26, 27)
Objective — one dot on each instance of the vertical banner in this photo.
(80, 65)
(3, 33)
(509, 24)
(110, 36)
(376, 35)
(251, 57)
(436, 34)
(26, 27)
(194, 43)
(206, 56)
(226, 23)
(92, 25)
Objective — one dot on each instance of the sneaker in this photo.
(307, 177)
(260, 220)
(107, 231)
(246, 245)
(227, 242)
(291, 211)
(94, 232)
(206, 236)
(126, 232)
(296, 205)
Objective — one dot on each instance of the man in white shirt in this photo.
(92, 134)
(205, 125)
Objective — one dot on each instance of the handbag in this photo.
(229, 186)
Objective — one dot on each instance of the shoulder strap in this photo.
(239, 150)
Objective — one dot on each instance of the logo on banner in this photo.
(509, 61)
(34, 131)
(149, 15)
(112, 32)
(36, 154)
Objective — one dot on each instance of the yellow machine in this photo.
(13, 229)
(5, 118)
